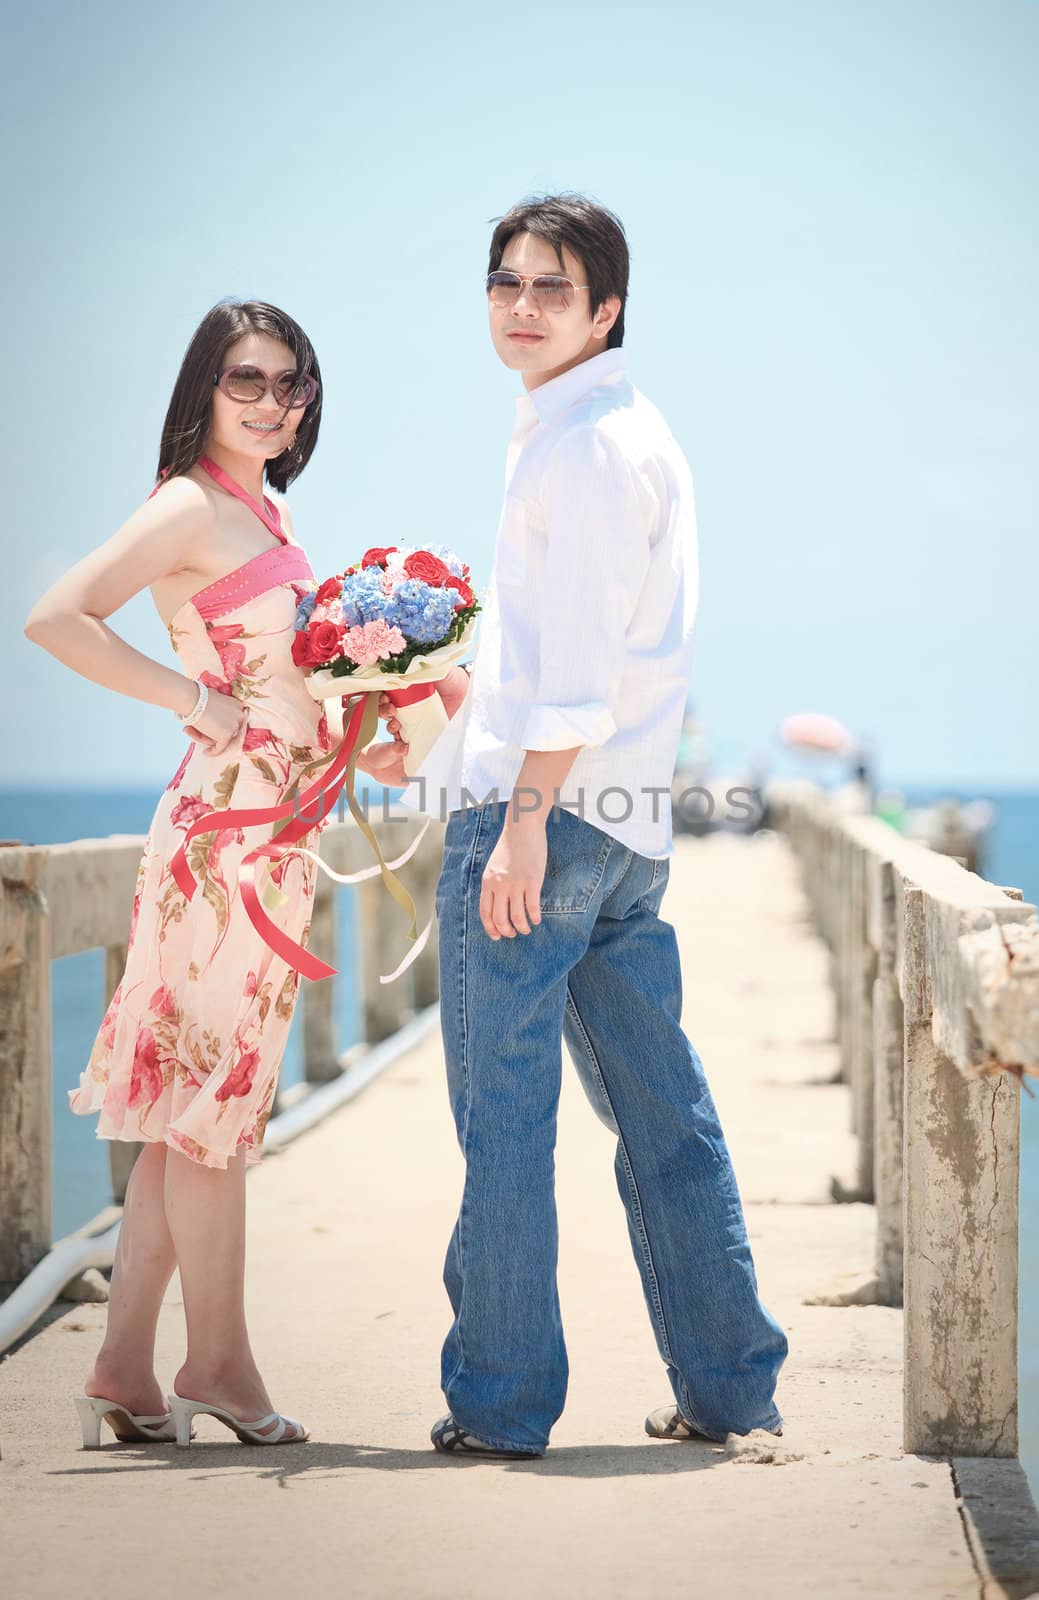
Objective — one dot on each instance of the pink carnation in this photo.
(375, 641)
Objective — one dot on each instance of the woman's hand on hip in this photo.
(221, 725)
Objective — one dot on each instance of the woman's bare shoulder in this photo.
(182, 499)
(180, 510)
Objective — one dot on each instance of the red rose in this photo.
(331, 589)
(466, 596)
(376, 556)
(427, 568)
(301, 648)
(324, 641)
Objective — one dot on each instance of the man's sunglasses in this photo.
(550, 290)
(247, 383)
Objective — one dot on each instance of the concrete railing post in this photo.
(960, 1175)
(385, 1006)
(425, 877)
(888, 1085)
(861, 973)
(25, 1079)
(320, 1057)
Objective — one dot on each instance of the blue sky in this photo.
(832, 212)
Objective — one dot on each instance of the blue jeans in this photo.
(601, 969)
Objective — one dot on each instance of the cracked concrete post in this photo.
(320, 1058)
(384, 943)
(961, 1157)
(25, 1080)
(888, 1087)
(425, 874)
(845, 937)
(861, 969)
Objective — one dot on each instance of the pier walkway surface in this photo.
(348, 1228)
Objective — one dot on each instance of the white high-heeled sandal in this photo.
(286, 1432)
(94, 1409)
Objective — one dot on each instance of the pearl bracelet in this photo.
(198, 709)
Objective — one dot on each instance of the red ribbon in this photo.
(326, 791)
(408, 697)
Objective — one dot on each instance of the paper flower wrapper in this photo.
(419, 708)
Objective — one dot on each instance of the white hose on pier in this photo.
(66, 1260)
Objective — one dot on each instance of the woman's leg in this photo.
(205, 1209)
(144, 1262)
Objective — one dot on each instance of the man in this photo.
(548, 914)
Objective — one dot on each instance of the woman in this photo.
(187, 1056)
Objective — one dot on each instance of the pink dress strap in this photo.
(268, 513)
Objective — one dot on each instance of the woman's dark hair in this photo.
(589, 230)
(190, 408)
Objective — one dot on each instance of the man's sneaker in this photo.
(449, 1437)
(667, 1422)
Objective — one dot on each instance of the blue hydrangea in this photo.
(421, 612)
(363, 599)
(303, 611)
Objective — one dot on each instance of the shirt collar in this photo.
(549, 400)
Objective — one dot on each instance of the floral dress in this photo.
(189, 1049)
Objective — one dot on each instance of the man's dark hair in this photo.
(589, 230)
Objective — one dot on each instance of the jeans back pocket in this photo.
(577, 857)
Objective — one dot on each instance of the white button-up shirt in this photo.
(587, 626)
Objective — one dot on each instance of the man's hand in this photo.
(385, 763)
(510, 895)
(453, 689)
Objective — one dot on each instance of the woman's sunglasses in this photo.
(247, 383)
(550, 290)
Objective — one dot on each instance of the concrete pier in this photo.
(348, 1230)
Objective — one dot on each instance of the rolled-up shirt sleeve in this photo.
(598, 514)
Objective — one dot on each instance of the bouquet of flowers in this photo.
(394, 623)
